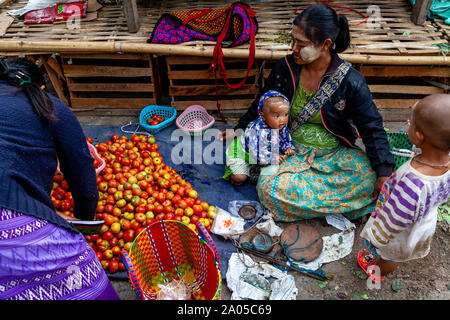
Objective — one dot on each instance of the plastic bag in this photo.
(226, 224)
(174, 290)
(35, 5)
(59, 12)
(268, 226)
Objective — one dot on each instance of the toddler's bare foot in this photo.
(238, 179)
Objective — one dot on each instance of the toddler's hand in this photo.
(226, 134)
(281, 158)
(289, 152)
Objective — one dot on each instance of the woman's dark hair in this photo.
(22, 73)
(320, 22)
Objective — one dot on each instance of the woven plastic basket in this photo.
(95, 155)
(169, 250)
(168, 113)
(195, 120)
(401, 147)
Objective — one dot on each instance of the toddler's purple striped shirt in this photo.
(402, 226)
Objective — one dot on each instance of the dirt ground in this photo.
(422, 279)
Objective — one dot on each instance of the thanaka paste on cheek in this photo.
(309, 53)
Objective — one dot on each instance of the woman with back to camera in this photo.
(42, 256)
(331, 106)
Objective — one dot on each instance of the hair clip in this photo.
(20, 75)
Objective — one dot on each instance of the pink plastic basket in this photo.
(96, 156)
(195, 120)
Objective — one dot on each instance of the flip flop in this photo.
(366, 260)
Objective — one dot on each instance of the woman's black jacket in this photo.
(349, 113)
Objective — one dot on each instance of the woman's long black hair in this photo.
(320, 22)
(24, 74)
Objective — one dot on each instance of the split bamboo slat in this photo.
(386, 45)
(387, 37)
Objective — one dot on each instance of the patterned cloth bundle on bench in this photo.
(235, 23)
(206, 24)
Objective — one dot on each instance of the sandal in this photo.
(367, 261)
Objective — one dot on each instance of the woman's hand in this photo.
(226, 134)
(378, 185)
(65, 216)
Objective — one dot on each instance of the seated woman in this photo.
(330, 106)
(42, 256)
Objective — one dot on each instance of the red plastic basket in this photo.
(169, 250)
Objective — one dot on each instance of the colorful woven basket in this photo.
(169, 250)
(195, 120)
(401, 147)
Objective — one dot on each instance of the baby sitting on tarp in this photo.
(265, 141)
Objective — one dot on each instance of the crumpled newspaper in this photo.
(249, 280)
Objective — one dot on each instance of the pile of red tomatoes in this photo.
(155, 120)
(135, 188)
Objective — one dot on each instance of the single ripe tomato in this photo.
(160, 216)
(197, 209)
(99, 255)
(194, 219)
(169, 216)
(108, 235)
(113, 266)
(129, 235)
(122, 267)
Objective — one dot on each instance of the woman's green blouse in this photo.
(312, 133)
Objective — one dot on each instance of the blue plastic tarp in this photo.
(205, 174)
